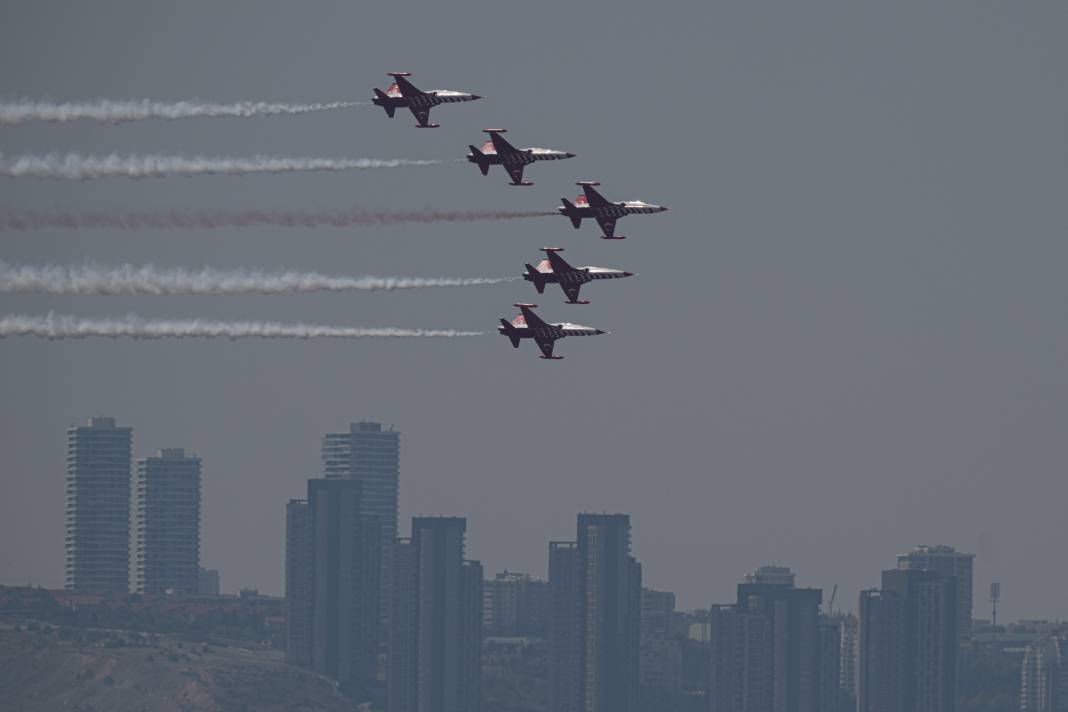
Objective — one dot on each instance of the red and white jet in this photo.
(404, 95)
(499, 152)
(592, 204)
(554, 270)
(528, 325)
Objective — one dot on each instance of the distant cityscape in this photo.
(412, 624)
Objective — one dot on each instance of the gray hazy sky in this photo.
(847, 337)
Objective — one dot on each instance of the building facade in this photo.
(596, 589)
(909, 643)
(946, 561)
(516, 605)
(97, 539)
(168, 523)
(1044, 675)
(435, 634)
(565, 627)
(766, 647)
(660, 666)
(298, 584)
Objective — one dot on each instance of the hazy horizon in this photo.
(846, 338)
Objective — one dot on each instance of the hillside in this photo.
(53, 669)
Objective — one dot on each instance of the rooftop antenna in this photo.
(995, 596)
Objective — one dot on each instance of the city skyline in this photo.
(332, 468)
(845, 338)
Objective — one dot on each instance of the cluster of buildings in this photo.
(155, 509)
(402, 620)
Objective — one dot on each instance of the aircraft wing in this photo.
(608, 225)
(546, 346)
(406, 87)
(515, 172)
(571, 291)
(533, 320)
(558, 263)
(500, 144)
(421, 114)
(594, 198)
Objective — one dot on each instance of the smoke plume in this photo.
(90, 280)
(58, 326)
(22, 220)
(74, 166)
(24, 111)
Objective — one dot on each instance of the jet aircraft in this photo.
(592, 204)
(403, 94)
(528, 325)
(555, 270)
(499, 152)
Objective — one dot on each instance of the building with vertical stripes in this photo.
(168, 523)
(97, 539)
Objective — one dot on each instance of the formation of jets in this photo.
(497, 151)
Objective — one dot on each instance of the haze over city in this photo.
(846, 338)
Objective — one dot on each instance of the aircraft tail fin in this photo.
(569, 211)
(381, 96)
(480, 159)
(510, 331)
(537, 278)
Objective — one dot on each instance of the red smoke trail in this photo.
(24, 220)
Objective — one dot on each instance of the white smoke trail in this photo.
(20, 220)
(90, 280)
(74, 166)
(59, 326)
(26, 110)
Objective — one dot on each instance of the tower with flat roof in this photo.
(98, 507)
(595, 591)
(370, 454)
(168, 523)
(436, 621)
(946, 561)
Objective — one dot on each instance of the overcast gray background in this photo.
(847, 337)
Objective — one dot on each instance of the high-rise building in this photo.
(298, 584)
(565, 627)
(208, 582)
(660, 646)
(947, 561)
(403, 654)
(98, 507)
(596, 586)
(830, 665)
(168, 523)
(766, 647)
(1044, 675)
(371, 455)
(435, 621)
(333, 566)
(517, 605)
(909, 643)
(848, 659)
